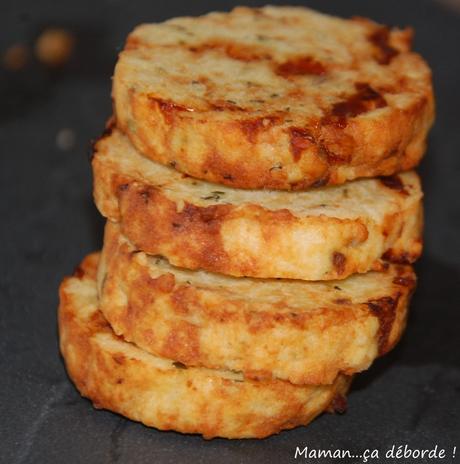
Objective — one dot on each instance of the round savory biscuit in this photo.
(325, 233)
(274, 97)
(118, 376)
(303, 332)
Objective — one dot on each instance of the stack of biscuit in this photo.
(262, 219)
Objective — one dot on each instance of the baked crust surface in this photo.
(118, 376)
(304, 332)
(274, 97)
(322, 234)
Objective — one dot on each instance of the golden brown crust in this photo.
(322, 234)
(304, 332)
(248, 111)
(117, 375)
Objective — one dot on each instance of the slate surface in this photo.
(48, 223)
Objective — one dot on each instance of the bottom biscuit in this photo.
(118, 376)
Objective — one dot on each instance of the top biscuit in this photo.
(274, 97)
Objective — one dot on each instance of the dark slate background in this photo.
(48, 223)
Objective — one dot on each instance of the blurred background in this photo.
(56, 62)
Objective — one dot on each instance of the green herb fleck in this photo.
(276, 167)
(214, 196)
(179, 365)
(132, 125)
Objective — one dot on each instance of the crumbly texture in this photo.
(274, 97)
(322, 234)
(304, 332)
(118, 376)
